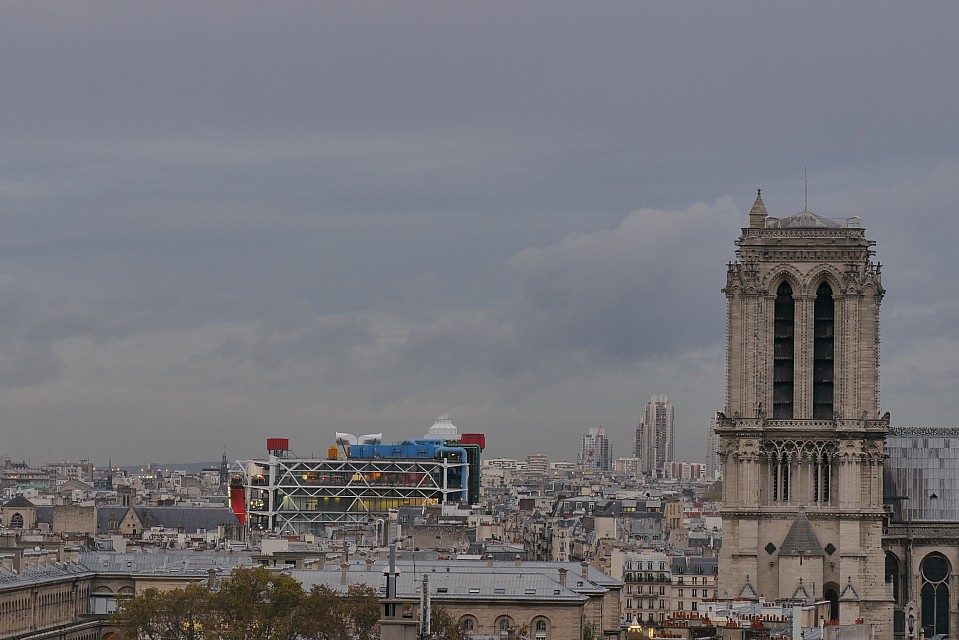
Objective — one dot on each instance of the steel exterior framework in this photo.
(292, 495)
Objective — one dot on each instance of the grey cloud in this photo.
(222, 215)
(605, 298)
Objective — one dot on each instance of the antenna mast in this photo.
(805, 196)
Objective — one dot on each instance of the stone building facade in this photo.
(801, 437)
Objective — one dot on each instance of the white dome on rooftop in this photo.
(443, 428)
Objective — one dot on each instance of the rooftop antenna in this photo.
(805, 197)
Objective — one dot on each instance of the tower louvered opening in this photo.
(783, 349)
(823, 368)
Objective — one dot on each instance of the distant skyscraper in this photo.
(654, 435)
(596, 455)
(713, 465)
(537, 463)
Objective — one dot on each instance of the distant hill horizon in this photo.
(189, 467)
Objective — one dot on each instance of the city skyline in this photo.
(225, 222)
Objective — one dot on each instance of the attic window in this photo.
(474, 589)
(441, 590)
(500, 591)
(555, 592)
(530, 592)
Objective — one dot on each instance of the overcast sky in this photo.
(222, 221)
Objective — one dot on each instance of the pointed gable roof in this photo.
(19, 502)
(748, 591)
(758, 214)
(849, 594)
(800, 593)
(801, 538)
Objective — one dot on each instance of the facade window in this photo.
(679, 606)
(934, 594)
(823, 328)
(662, 591)
(541, 626)
(693, 607)
(681, 593)
(694, 593)
(629, 603)
(783, 348)
(16, 522)
(892, 576)
(662, 604)
(468, 624)
(504, 624)
(821, 478)
(781, 473)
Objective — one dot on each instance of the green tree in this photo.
(443, 626)
(179, 614)
(331, 616)
(258, 604)
(589, 631)
(251, 604)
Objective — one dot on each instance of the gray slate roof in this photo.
(19, 502)
(805, 219)
(189, 519)
(801, 538)
(188, 563)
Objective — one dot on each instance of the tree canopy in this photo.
(251, 604)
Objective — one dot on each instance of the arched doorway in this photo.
(831, 593)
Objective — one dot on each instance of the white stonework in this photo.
(801, 438)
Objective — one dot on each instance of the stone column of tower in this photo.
(801, 437)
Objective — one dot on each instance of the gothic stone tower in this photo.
(801, 439)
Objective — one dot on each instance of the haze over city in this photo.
(227, 221)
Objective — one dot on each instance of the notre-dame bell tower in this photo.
(801, 438)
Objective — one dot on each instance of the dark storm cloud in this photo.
(220, 216)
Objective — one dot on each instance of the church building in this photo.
(801, 437)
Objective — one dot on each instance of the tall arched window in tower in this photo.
(783, 331)
(823, 317)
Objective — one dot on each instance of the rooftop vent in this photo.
(443, 428)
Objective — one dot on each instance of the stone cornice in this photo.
(924, 431)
